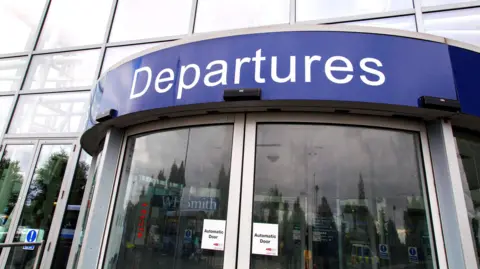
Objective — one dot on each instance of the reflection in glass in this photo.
(13, 170)
(18, 22)
(5, 104)
(62, 70)
(460, 24)
(69, 222)
(40, 202)
(139, 19)
(442, 2)
(11, 73)
(216, 15)
(171, 182)
(50, 113)
(338, 192)
(74, 23)
(468, 150)
(308, 10)
(115, 55)
(406, 23)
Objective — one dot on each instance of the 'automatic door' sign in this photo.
(265, 239)
(213, 236)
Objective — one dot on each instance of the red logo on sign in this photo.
(215, 244)
(141, 222)
(269, 249)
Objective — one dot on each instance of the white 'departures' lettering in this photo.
(337, 69)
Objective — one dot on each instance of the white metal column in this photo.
(457, 233)
(104, 184)
(78, 235)
(231, 236)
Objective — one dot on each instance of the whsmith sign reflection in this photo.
(304, 65)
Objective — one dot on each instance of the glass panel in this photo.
(215, 15)
(40, 202)
(62, 70)
(69, 223)
(308, 10)
(136, 19)
(11, 72)
(5, 104)
(337, 194)
(468, 149)
(462, 25)
(18, 22)
(171, 183)
(115, 55)
(442, 2)
(50, 113)
(75, 23)
(401, 23)
(13, 170)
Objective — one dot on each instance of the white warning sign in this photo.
(213, 236)
(265, 239)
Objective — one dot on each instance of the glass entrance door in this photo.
(320, 195)
(178, 197)
(32, 174)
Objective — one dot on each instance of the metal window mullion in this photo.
(14, 55)
(234, 192)
(419, 15)
(77, 236)
(103, 49)
(17, 213)
(293, 11)
(245, 231)
(59, 212)
(450, 7)
(56, 136)
(9, 93)
(458, 243)
(361, 17)
(69, 49)
(144, 41)
(193, 17)
(62, 90)
(431, 203)
(117, 190)
(469, 253)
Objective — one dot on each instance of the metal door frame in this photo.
(247, 193)
(232, 224)
(38, 143)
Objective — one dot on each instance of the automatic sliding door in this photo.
(336, 197)
(173, 200)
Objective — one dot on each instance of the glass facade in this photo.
(56, 50)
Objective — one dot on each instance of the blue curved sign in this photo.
(303, 65)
